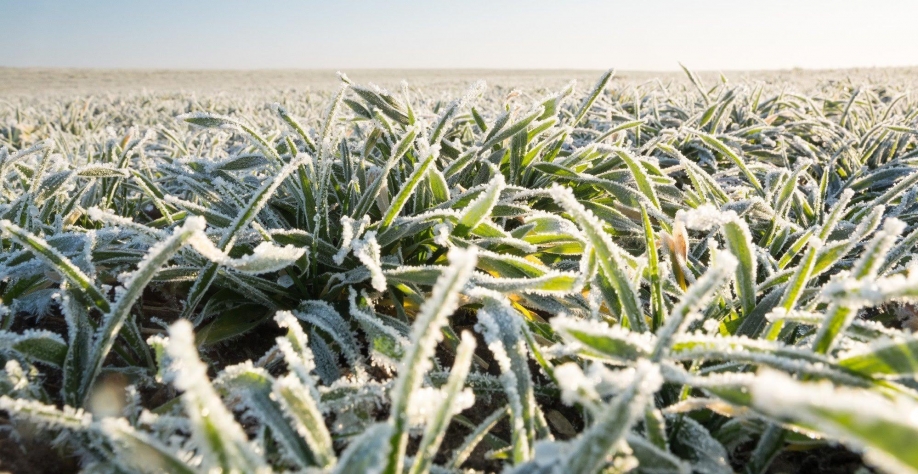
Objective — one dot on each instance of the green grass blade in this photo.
(725, 150)
(436, 428)
(408, 188)
(480, 208)
(220, 439)
(860, 418)
(255, 204)
(368, 197)
(739, 242)
(591, 99)
(61, 264)
(613, 422)
(640, 176)
(140, 452)
(425, 334)
(889, 358)
(609, 256)
(501, 327)
(462, 453)
(698, 295)
(134, 284)
(367, 453)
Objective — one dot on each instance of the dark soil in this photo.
(832, 459)
(33, 457)
(827, 460)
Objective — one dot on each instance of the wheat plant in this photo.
(656, 278)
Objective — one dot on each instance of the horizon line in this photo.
(424, 69)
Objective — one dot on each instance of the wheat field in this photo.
(291, 271)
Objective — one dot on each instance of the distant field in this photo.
(61, 82)
(284, 271)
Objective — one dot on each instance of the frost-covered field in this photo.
(277, 273)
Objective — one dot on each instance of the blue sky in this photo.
(534, 34)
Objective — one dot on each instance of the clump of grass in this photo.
(699, 275)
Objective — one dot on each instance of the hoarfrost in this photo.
(265, 258)
(368, 251)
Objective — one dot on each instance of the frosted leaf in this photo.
(295, 349)
(775, 392)
(435, 214)
(50, 256)
(500, 325)
(552, 283)
(325, 317)
(610, 382)
(452, 109)
(615, 419)
(47, 416)
(879, 246)
(265, 258)
(426, 332)
(387, 344)
(616, 340)
(216, 217)
(193, 225)
(860, 417)
(300, 406)
(705, 217)
(426, 399)
(547, 222)
(618, 266)
(326, 359)
(110, 218)
(697, 296)
(348, 397)
(442, 232)
(434, 311)
(86, 259)
(481, 207)
(259, 200)
(874, 291)
(38, 303)
(207, 413)
(367, 251)
(367, 453)
(14, 379)
(521, 245)
(705, 453)
(711, 325)
(574, 384)
(350, 229)
(528, 267)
